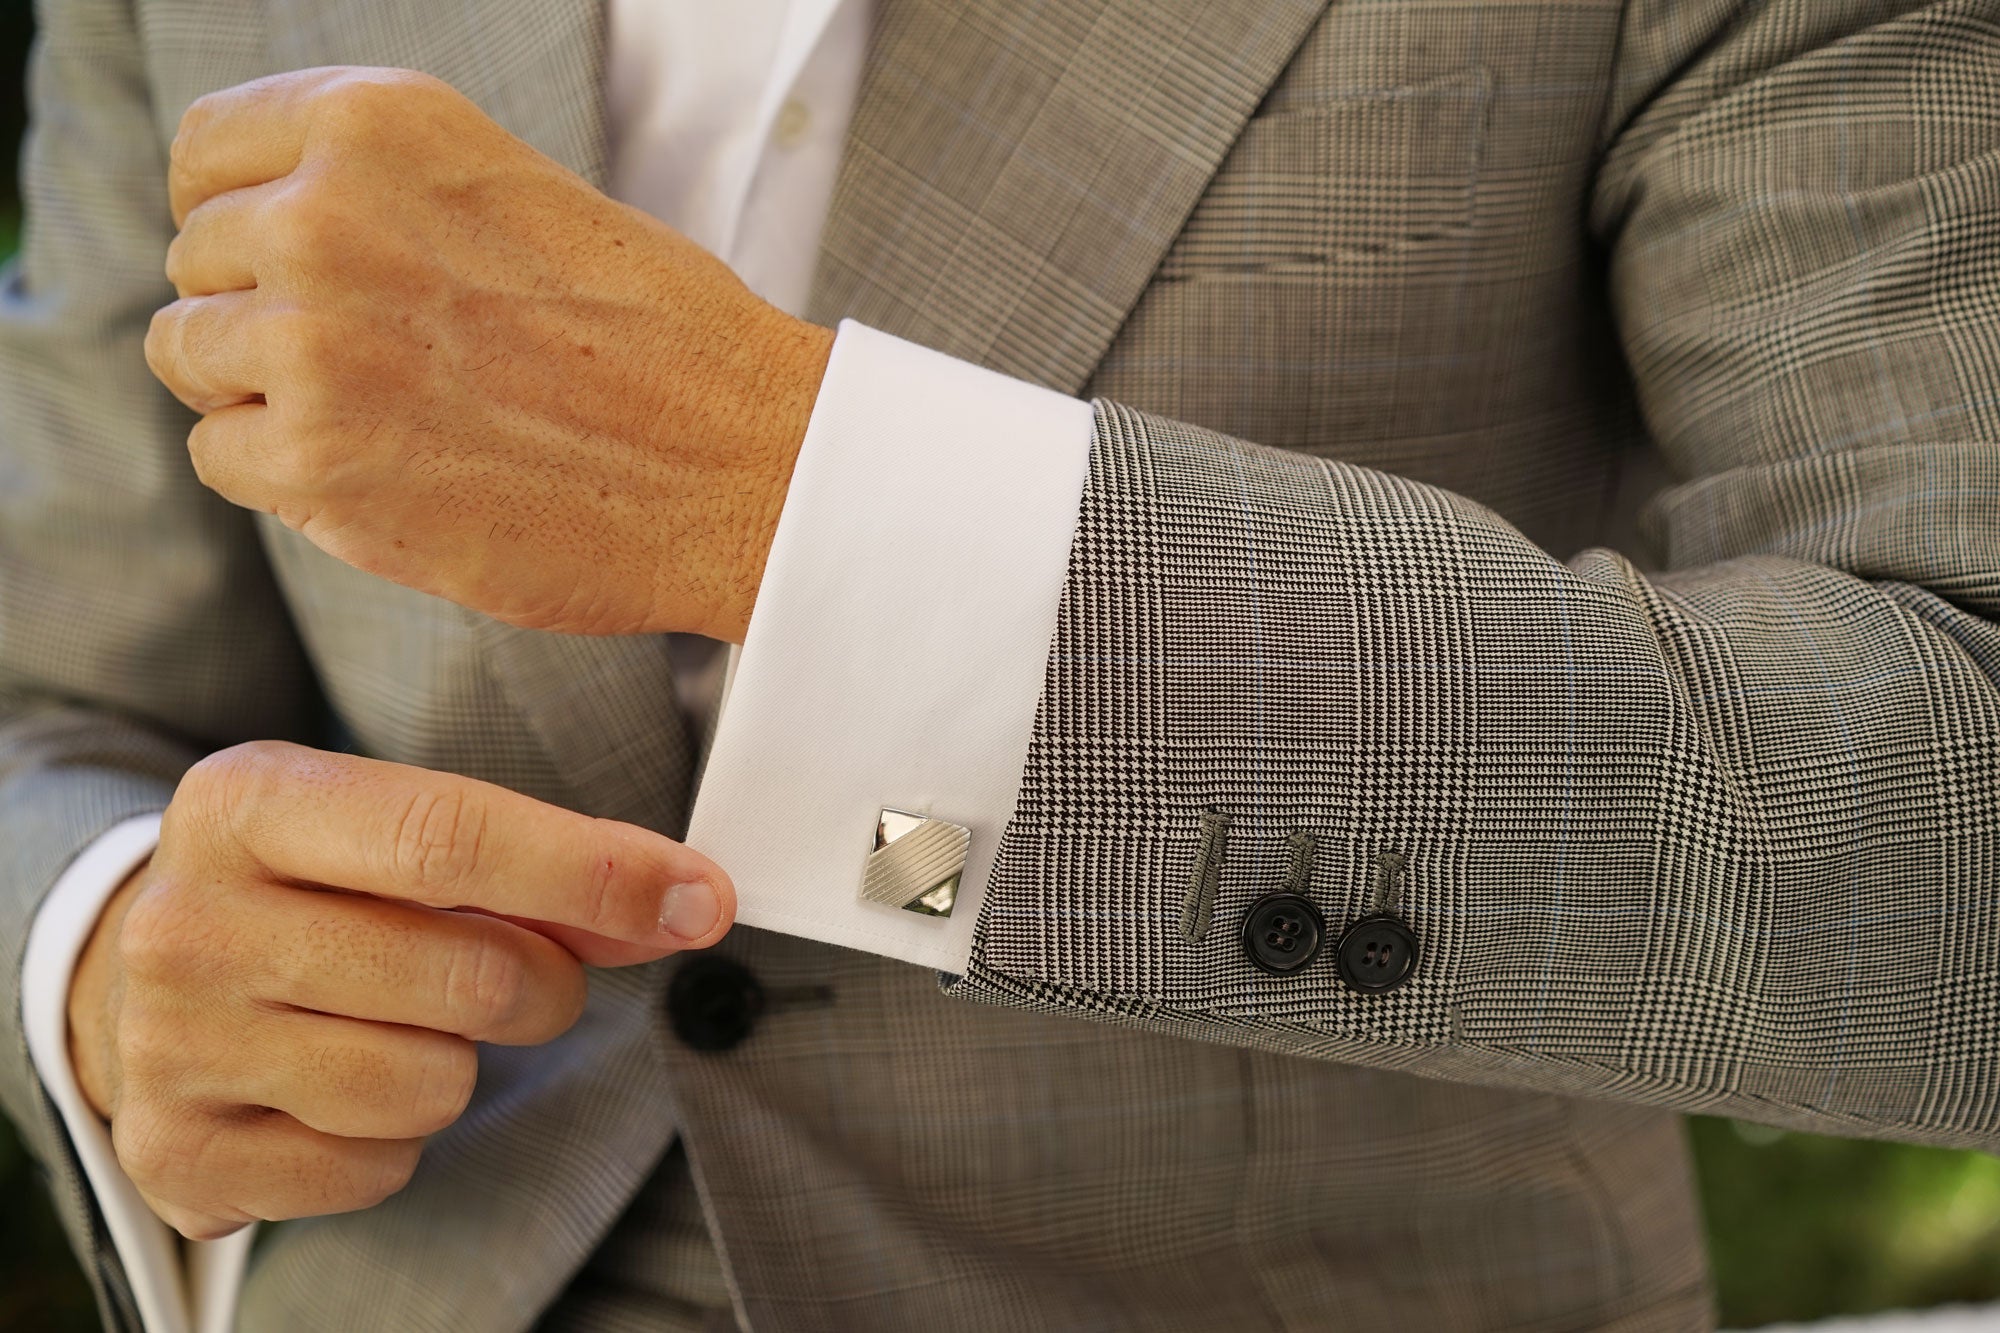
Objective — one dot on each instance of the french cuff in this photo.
(179, 1287)
(876, 723)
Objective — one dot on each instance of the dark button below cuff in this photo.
(1377, 953)
(1282, 933)
(713, 1003)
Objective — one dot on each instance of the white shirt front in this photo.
(727, 121)
(898, 644)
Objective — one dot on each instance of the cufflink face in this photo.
(916, 863)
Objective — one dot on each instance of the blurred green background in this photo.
(1799, 1227)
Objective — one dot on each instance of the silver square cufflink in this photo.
(916, 863)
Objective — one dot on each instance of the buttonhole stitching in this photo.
(1299, 848)
(1198, 907)
(1388, 880)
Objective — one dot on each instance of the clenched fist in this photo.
(449, 361)
(277, 1009)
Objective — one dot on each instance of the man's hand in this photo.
(277, 1009)
(451, 362)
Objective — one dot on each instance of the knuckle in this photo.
(223, 798)
(385, 1177)
(177, 339)
(162, 333)
(180, 153)
(348, 106)
(488, 983)
(162, 930)
(177, 258)
(238, 773)
(293, 964)
(444, 1086)
(369, 101)
(211, 465)
(310, 226)
(258, 770)
(436, 843)
(135, 1051)
(397, 1171)
(159, 1151)
(146, 1047)
(187, 353)
(198, 113)
(211, 777)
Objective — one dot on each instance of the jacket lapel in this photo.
(1015, 170)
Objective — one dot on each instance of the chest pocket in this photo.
(1364, 178)
(1329, 290)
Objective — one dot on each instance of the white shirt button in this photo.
(794, 118)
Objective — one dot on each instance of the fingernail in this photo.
(689, 910)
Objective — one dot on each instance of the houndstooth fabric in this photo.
(1476, 276)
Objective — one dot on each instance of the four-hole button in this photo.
(1282, 932)
(1377, 953)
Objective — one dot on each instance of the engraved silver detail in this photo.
(916, 863)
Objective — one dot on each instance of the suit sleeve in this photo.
(1723, 837)
(138, 623)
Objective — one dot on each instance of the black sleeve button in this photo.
(713, 1002)
(1282, 933)
(1377, 953)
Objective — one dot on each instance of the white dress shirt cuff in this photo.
(200, 1298)
(899, 643)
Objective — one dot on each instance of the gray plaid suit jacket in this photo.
(1395, 308)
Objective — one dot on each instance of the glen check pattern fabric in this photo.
(1455, 267)
(1719, 837)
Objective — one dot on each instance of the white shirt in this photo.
(896, 652)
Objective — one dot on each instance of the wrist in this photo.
(91, 993)
(784, 382)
